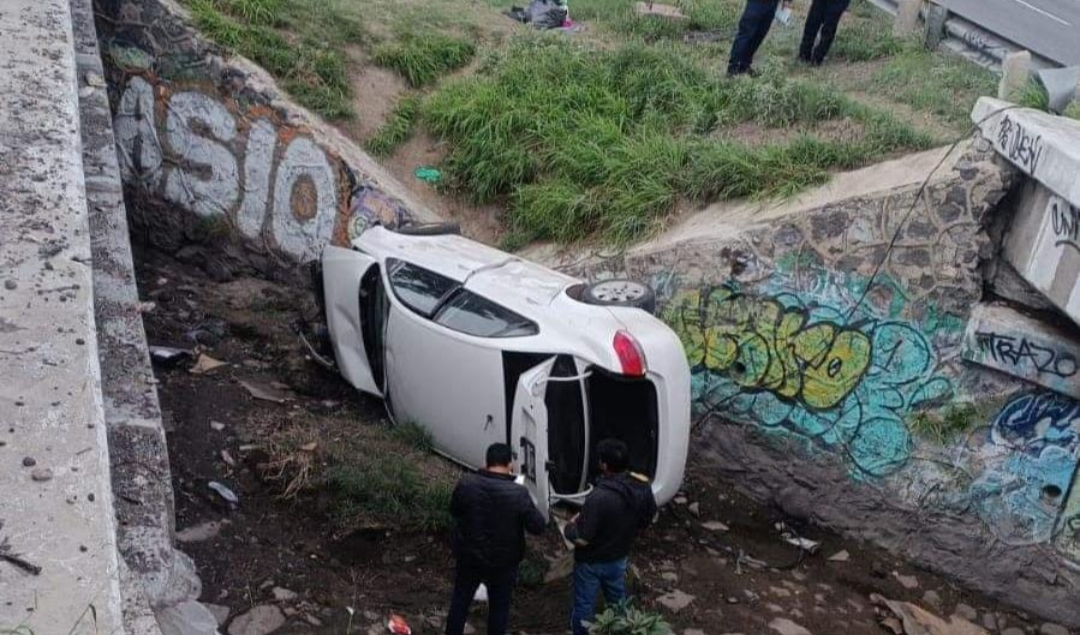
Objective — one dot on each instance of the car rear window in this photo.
(417, 288)
(475, 315)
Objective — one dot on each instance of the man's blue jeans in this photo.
(590, 578)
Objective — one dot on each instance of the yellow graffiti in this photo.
(760, 344)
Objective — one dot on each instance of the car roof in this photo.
(501, 277)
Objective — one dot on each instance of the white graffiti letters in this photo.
(206, 182)
(208, 166)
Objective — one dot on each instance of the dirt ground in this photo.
(719, 555)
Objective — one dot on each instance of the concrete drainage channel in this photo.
(919, 302)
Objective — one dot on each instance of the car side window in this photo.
(417, 288)
(474, 315)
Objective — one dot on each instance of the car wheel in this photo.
(430, 229)
(620, 292)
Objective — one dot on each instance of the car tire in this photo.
(430, 229)
(620, 292)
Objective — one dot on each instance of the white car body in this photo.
(551, 385)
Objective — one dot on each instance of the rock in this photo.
(932, 598)
(219, 611)
(1012, 630)
(29, 462)
(732, 600)
(715, 525)
(1053, 629)
(966, 612)
(907, 581)
(469, 629)
(225, 493)
(217, 426)
(670, 576)
(989, 622)
(676, 600)
(11, 285)
(695, 509)
(681, 500)
(260, 620)
(840, 556)
(186, 618)
(41, 474)
(199, 533)
(693, 631)
(314, 621)
(785, 626)
(282, 594)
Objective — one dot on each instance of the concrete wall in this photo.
(829, 376)
(212, 137)
(56, 506)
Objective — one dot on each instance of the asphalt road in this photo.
(1050, 28)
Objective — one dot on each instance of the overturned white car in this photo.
(479, 346)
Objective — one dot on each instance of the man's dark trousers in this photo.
(500, 586)
(754, 25)
(822, 19)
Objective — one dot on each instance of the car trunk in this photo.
(623, 408)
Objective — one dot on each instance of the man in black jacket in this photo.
(620, 504)
(491, 514)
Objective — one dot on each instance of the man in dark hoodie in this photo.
(491, 515)
(620, 504)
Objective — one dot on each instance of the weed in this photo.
(867, 40)
(397, 128)
(627, 620)
(1073, 111)
(1032, 95)
(947, 425)
(423, 58)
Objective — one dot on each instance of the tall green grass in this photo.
(298, 41)
(398, 127)
(584, 141)
(423, 58)
(939, 83)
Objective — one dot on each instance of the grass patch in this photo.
(299, 42)
(865, 41)
(942, 84)
(397, 128)
(422, 59)
(386, 491)
(585, 141)
(378, 476)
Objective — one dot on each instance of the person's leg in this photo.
(466, 581)
(766, 12)
(833, 13)
(500, 585)
(814, 18)
(586, 583)
(613, 582)
(753, 27)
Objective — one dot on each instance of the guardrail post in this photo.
(935, 25)
(907, 17)
(1015, 71)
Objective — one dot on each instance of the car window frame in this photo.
(444, 300)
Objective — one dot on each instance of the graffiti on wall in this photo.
(273, 184)
(796, 363)
(1024, 493)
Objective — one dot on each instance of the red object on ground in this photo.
(398, 625)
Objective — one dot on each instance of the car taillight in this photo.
(630, 354)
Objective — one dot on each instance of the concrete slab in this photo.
(1043, 244)
(50, 400)
(1008, 341)
(1044, 146)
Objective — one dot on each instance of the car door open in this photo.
(529, 432)
(343, 270)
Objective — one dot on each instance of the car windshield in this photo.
(469, 313)
(419, 289)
